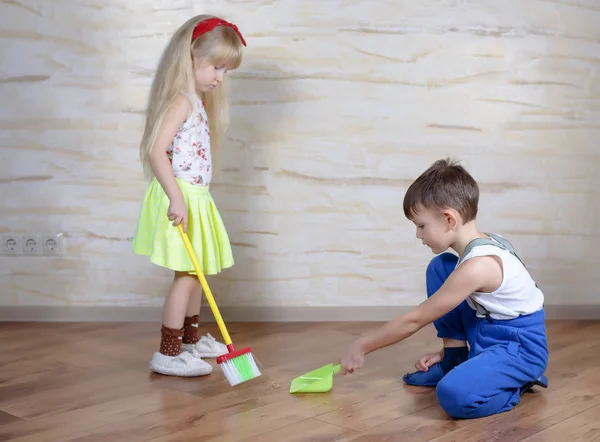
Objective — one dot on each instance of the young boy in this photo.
(486, 299)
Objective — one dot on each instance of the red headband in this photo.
(211, 23)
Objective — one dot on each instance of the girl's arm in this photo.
(466, 279)
(161, 166)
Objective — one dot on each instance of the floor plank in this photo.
(380, 409)
(584, 426)
(6, 418)
(422, 425)
(536, 413)
(309, 430)
(91, 383)
(105, 416)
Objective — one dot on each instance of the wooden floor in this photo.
(90, 382)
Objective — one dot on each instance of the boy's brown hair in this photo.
(445, 184)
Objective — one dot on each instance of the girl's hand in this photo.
(427, 361)
(353, 359)
(178, 213)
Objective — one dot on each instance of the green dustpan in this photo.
(316, 381)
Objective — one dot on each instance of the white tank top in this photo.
(517, 294)
(189, 152)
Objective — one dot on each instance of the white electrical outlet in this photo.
(11, 244)
(31, 244)
(52, 245)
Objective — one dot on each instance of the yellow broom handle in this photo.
(204, 284)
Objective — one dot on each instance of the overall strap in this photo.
(496, 241)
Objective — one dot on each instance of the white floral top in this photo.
(189, 152)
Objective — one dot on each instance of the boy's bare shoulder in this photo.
(485, 271)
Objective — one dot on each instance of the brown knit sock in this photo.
(170, 342)
(190, 329)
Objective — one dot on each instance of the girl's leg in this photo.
(176, 304)
(192, 315)
(170, 360)
(200, 346)
(195, 301)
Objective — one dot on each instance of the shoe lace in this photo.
(208, 337)
(187, 358)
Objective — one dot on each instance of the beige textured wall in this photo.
(338, 107)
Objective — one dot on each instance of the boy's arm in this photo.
(466, 279)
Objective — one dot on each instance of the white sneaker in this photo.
(184, 365)
(206, 347)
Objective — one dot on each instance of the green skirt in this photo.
(157, 238)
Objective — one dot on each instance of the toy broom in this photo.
(238, 365)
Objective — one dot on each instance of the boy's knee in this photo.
(462, 402)
(444, 261)
(451, 399)
(440, 267)
(457, 401)
(440, 264)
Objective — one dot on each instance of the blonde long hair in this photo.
(175, 75)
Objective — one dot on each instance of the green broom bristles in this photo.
(239, 366)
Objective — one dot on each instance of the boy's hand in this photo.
(427, 361)
(353, 359)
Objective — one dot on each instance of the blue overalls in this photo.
(505, 356)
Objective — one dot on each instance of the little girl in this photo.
(186, 117)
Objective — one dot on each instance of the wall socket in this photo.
(20, 244)
(31, 245)
(11, 245)
(52, 245)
